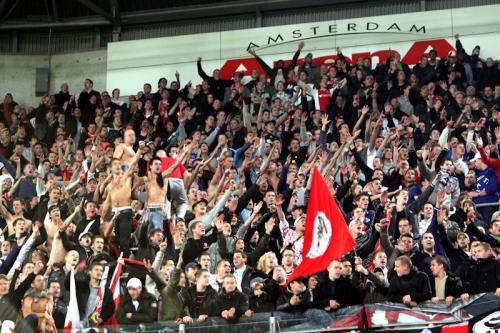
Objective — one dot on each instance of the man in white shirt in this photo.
(223, 269)
(241, 272)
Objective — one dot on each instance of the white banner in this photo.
(133, 63)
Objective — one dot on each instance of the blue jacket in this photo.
(487, 180)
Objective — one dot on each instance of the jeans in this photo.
(176, 192)
(155, 218)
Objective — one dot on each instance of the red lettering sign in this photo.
(412, 57)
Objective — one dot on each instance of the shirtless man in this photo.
(157, 187)
(54, 243)
(120, 198)
(124, 152)
(17, 208)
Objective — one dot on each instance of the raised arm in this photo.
(262, 63)
(201, 72)
(293, 63)
(135, 160)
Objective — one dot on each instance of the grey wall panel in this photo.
(5, 42)
(339, 12)
(38, 43)
(444, 4)
(85, 39)
(187, 27)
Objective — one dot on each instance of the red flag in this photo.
(115, 289)
(326, 235)
(100, 292)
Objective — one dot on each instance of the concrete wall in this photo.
(18, 72)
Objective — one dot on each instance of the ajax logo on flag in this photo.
(322, 233)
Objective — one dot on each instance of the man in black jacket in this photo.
(199, 242)
(198, 299)
(230, 304)
(87, 287)
(484, 274)
(406, 284)
(138, 306)
(53, 198)
(280, 72)
(336, 291)
(217, 85)
(296, 298)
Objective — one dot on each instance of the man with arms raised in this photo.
(157, 187)
(120, 199)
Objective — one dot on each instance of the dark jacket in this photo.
(69, 245)
(194, 247)
(217, 87)
(272, 288)
(82, 282)
(194, 305)
(261, 303)
(342, 290)
(226, 301)
(422, 260)
(416, 284)
(483, 276)
(147, 311)
(273, 72)
(42, 208)
(283, 303)
(452, 287)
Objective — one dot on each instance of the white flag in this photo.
(72, 320)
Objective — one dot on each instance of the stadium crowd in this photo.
(199, 192)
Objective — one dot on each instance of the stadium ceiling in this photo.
(63, 14)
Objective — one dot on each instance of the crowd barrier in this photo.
(369, 317)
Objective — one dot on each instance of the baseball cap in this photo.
(2, 165)
(83, 234)
(452, 54)
(256, 280)
(134, 283)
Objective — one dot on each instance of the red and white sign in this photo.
(132, 63)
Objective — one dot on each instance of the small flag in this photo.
(72, 320)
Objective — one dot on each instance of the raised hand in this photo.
(270, 225)
(148, 265)
(163, 246)
(257, 207)
(324, 120)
